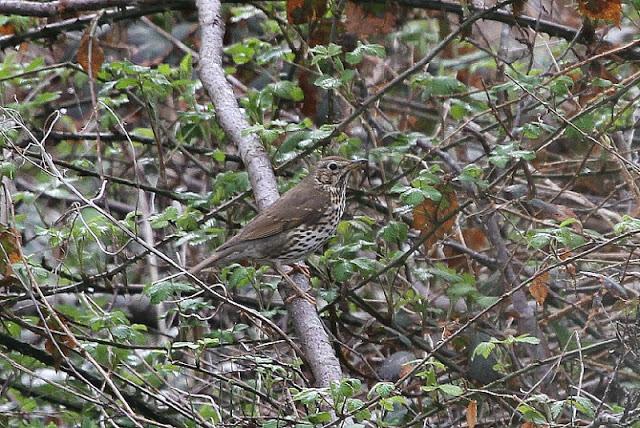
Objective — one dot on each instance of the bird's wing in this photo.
(296, 207)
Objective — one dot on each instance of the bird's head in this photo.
(333, 172)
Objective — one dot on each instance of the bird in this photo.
(295, 225)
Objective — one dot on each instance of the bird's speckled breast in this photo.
(308, 238)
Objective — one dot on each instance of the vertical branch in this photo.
(311, 333)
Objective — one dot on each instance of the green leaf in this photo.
(160, 291)
(8, 169)
(583, 404)
(503, 153)
(627, 224)
(320, 418)
(530, 414)
(601, 83)
(365, 265)
(556, 409)
(412, 197)
(287, 90)
(342, 270)
(561, 85)
(186, 67)
(585, 124)
(323, 53)
(308, 396)
(394, 232)
(381, 389)
(158, 221)
(438, 85)
(328, 82)
(450, 389)
(356, 56)
(483, 349)
(461, 289)
(241, 53)
(525, 338)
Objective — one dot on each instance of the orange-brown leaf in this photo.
(90, 54)
(472, 413)
(63, 343)
(539, 288)
(10, 251)
(311, 101)
(370, 19)
(7, 29)
(609, 10)
(518, 6)
(475, 239)
(305, 11)
(430, 214)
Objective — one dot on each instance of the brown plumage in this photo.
(298, 223)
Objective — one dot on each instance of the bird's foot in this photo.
(301, 268)
(299, 292)
(302, 295)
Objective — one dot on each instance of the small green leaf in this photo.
(394, 232)
(328, 82)
(287, 90)
(160, 291)
(158, 221)
(525, 338)
(483, 349)
(530, 414)
(450, 389)
(438, 85)
(381, 389)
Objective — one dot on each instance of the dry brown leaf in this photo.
(475, 239)
(430, 214)
(472, 413)
(371, 19)
(571, 267)
(311, 102)
(609, 10)
(63, 342)
(92, 61)
(539, 288)
(305, 11)
(405, 369)
(10, 251)
(7, 29)
(518, 7)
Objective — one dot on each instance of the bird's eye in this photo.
(333, 166)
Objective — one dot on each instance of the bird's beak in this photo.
(358, 164)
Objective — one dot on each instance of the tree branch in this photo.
(39, 355)
(313, 338)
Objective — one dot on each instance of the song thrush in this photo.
(295, 225)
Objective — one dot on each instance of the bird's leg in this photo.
(302, 268)
(299, 292)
